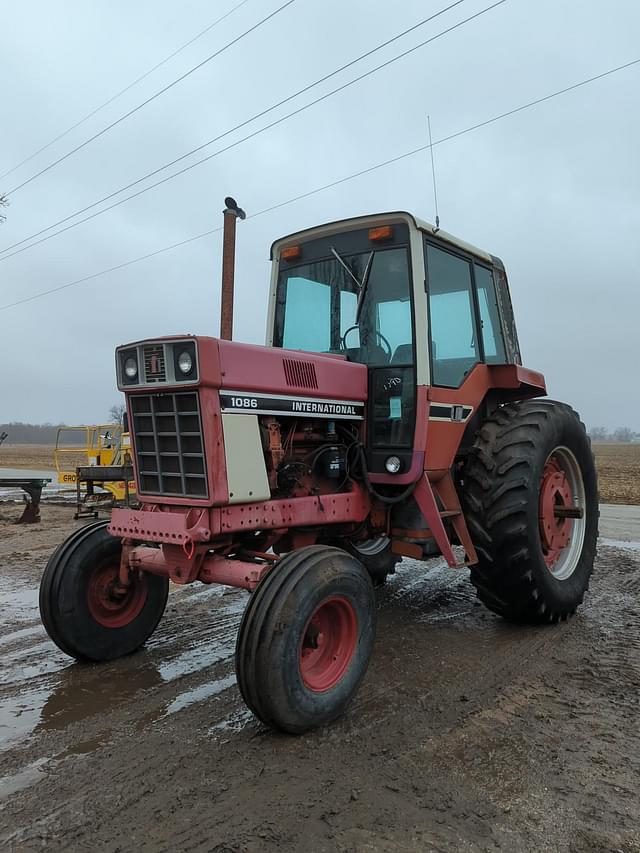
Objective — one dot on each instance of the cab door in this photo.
(465, 334)
(386, 330)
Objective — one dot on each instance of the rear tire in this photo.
(82, 613)
(306, 638)
(530, 463)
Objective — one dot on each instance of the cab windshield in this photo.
(357, 304)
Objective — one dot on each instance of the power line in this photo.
(229, 131)
(111, 269)
(244, 138)
(331, 185)
(152, 98)
(126, 88)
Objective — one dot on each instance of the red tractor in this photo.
(388, 416)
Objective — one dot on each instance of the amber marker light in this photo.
(383, 232)
(291, 253)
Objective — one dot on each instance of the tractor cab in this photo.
(420, 309)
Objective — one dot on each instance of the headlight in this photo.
(131, 368)
(185, 362)
(392, 464)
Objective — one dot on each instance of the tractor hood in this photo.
(232, 366)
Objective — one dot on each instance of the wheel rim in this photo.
(109, 604)
(372, 546)
(328, 644)
(561, 493)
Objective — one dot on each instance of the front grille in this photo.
(154, 365)
(168, 442)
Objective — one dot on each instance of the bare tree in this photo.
(623, 434)
(599, 433)
(116, 413)
(4, 202)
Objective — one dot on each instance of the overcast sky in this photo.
(554, 191)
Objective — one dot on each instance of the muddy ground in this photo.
(468, 734)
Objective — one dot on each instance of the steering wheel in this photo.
(385, 345)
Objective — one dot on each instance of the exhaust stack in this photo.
(231, 213)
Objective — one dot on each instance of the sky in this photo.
(553, 190)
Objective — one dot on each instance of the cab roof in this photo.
(358, 222)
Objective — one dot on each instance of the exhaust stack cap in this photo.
(232, 207)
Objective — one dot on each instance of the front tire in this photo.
(529, 476)
(306, 638)
(81, 608)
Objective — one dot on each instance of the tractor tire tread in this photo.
(499, 486)
(260, 621)
(62, 564)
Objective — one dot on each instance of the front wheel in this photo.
(531, 503)
(306, 638)
(83, 608)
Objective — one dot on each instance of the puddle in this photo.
(25, 651)
(428, 589)
(235, 722)
(18, 603)
(620, 543)
(19, 715)
(21, 634)
(33, 773)
(52, 692)
(86, 747)
(197, 658)
(90, 690)
(29, 775)
(199, 694)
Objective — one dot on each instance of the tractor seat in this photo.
(403, 354)
(371, 354)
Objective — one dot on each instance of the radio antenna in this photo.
(433, 175)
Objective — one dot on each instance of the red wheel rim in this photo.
(555, 494)
(111, 605)
(328, 644)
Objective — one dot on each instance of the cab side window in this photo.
(492, 337)
(454, 335)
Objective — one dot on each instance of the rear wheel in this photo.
(531, 504)
(306, 638)
(83, 607)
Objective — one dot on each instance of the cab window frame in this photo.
(348, 243)
(475, 308)
(500, 329)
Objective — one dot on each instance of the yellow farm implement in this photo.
(88, 454)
